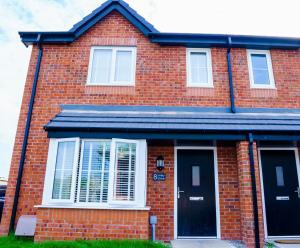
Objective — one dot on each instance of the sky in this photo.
(249, 17)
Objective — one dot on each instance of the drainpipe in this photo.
(232, 104)
(26, 133)
(254, 193)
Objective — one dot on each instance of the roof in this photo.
(173, 119)
(189, 40)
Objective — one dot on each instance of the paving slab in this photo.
(201, 244)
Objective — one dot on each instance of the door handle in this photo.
(298, 192)
(178, 192)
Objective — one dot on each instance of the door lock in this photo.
(178, 192)
(298, 192)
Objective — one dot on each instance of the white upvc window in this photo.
(260, 69)
(96, 173)
(112, 66)
(199, 67)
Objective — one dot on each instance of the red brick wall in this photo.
(229, 193)
(160, 195)
(70, 224)
(246, 200)
(286, 69)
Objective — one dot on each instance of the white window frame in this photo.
(50, 172)
(209, 83)
(140, 177)
(270, 69)
(112, 82)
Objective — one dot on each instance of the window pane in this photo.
(94, 171)
(259, 61)
(101, 66)
(123, 66)
(260, 69)
(63, 170)
(198, 68)
(279, 176)
(261, 76)
(196, 175)
(125, 166)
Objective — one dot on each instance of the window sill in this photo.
(112, 84)
(208, 86)
(93, 207)
(269, 87)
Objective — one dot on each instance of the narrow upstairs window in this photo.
(199, 68)
(260, 69)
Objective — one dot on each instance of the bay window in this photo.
(96, 173)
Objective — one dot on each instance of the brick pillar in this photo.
(245, 189)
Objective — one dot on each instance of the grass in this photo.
(14, 242)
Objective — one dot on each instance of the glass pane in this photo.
(123, 66)
(101, 66)
(198, 68)
(196, 175)
(124, 184)
(261, 76)
(259, 61)
(62, 182)
(94, 172)
(279, 176)
(260, 69)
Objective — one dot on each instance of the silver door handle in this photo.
(178, 192)
(298, 192)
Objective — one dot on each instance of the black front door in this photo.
(281, 192)
(196, 212)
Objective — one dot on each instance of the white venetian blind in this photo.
(62, 183)
(94, 172)
(124, 171)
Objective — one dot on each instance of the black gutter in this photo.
(26, 133)
(232, 104)
(254, 192)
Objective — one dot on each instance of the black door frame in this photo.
(218, 227)
(295, 149)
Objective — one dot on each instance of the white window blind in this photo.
(123, 66)
(199, 68)
(62, 182)
(101, 66)
(124, 171)
(112, 66)
(94, 172)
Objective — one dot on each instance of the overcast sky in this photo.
(257, 17)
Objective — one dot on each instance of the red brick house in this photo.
(120, 122)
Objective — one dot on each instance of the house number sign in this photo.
(158, 176)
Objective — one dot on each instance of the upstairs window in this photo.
(112, 66)
(96, 173)
(260, 69)
(199, 68)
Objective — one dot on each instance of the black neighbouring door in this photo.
(196, 213)
(282, 203)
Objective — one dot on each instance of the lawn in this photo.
(13, 242)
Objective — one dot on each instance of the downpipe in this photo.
(26, 134)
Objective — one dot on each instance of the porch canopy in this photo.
(189, 123)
